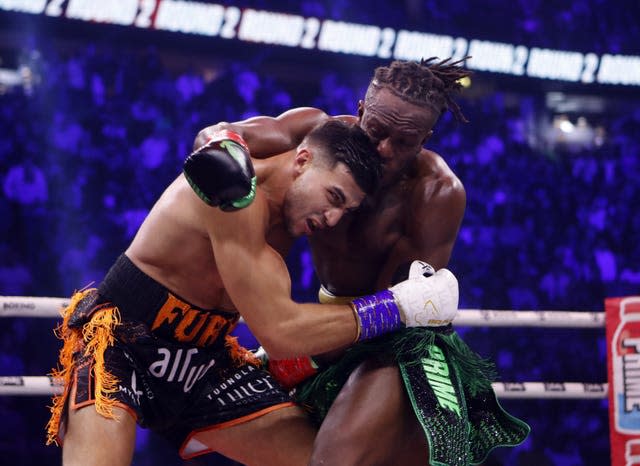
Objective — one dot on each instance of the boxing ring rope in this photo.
(48, 307)
(45, 386)
(28, 306)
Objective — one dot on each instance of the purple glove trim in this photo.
(377, 314)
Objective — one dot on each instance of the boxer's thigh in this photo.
(280, 437)
(371, 422)
(94, 440)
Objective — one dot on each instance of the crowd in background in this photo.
(88, 147)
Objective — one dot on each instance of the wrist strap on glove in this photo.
(225, 134)
(376, 315)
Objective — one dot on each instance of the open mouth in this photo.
(311, 226)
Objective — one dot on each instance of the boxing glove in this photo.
(288, 372)
(427, 301)
(419, 301)
(221, 173)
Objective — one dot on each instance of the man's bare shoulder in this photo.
(351, 119)
(435, 181)
(300, 113)
(180, 205)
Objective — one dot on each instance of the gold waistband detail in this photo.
(327, 297)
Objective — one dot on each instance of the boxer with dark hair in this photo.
(151, 344)
(416, 396)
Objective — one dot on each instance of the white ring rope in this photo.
(42, 385)
(29, 306)
(547, 319)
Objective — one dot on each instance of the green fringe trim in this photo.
(406, 346)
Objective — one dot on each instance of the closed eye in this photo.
(375, 133)
(337, 197)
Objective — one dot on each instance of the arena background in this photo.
(100, 102)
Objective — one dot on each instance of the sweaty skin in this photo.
(415, 215)
(213, 259)
(220, 255)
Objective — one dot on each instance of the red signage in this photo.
(623, 361)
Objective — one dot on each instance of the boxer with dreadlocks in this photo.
(417, 396)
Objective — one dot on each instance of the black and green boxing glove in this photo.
(221, 173)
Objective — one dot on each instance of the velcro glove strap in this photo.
(376, 315)
(227, 135)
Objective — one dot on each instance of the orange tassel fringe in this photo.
(239, 354)
(93, 339)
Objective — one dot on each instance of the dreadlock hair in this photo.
(427, 83)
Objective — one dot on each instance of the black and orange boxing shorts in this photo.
(174, 367)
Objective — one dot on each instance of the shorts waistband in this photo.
(137, 295)
(140, 298)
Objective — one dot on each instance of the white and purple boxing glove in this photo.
(425, 299)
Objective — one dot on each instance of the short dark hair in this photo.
(426, 83)
(349, 144)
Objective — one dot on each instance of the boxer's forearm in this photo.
(308, 330)
(266, 135)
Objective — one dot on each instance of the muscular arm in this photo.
(256, 278)
(270, 135)
(436, 212)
